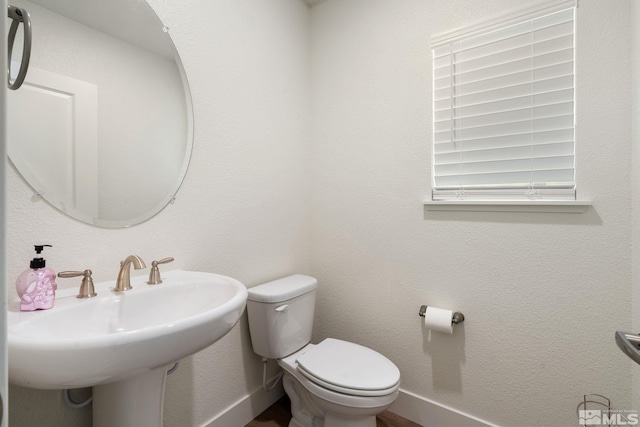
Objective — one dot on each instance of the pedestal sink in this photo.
(122, 343)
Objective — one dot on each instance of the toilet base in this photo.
(339, 422)
(309, 410)
(294, 423)
(330, 420)
(333, 421)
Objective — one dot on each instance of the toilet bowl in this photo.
(334, 383)
(338, 384)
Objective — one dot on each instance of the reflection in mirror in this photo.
(102, 126)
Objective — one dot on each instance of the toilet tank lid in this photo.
(282, 289)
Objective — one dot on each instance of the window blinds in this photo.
(503, 110)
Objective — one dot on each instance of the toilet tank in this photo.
(281, 315)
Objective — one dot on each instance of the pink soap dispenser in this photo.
(36, 286)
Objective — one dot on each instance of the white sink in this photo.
(114, 337)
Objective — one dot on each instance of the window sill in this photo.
(547, 206)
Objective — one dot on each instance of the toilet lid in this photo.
(347, 367)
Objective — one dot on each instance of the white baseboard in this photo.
(246, 409)
(428, 413)
(415, 408)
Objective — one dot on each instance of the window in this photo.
(503, 109)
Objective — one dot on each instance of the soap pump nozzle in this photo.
(40, 248)
(38, 262)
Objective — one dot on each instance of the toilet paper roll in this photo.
(439, 319)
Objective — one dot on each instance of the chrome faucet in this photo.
(123, 283)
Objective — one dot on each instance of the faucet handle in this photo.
(154, 274)
(86, 287)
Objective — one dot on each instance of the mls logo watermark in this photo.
(595, 410)
(597, 417)
(590, 417)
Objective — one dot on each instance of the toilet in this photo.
(333, 383)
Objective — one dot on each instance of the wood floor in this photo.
(279, 414)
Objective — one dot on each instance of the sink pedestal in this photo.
(133, 402)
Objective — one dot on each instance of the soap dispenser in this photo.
(36, 286)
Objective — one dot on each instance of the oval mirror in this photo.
(102, 127)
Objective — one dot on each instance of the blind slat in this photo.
(535, 41)
(505, 141)
(463, 123)
(506, 129)
(516, 76)
(444, 76)
(465, 118)
(530, 88)
(510, 104)
(510, 165)
(523, 179)
(509, 153)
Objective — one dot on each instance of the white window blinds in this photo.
(503, 110)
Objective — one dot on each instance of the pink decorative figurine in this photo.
(36, 286)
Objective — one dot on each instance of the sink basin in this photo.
(117, 336)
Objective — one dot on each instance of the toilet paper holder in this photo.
(456, 319)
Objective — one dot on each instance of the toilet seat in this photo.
(348, 368)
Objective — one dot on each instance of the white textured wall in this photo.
(542, 293)
(243, 210)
